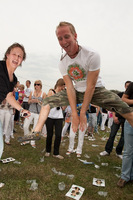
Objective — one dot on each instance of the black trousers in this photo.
(52, 124)
(110, 142)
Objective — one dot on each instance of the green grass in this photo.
(15, 176)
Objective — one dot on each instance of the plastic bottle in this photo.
(34, 185)
(61, 186)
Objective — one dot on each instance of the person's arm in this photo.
(11, 100)
(126, 99)
(91, 83)
(72, 100)
(98, 110)
(115, 119)
(44, 95)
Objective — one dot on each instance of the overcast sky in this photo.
(104, 25)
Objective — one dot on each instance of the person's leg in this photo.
(120, 145)
(65, 127)
(27, 123)
(109, 100)
(80, 141)
(58, 130)
(44, 131)
(12, 125)
(104, 118)
(7, 126)
(71, 140)
(1, 140)
(127, 162)
(35, 117)
(109, 145)
(49, 126)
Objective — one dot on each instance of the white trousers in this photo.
(1, 140)
(64, 130)
(5, 117)
(28, 121)
(110, 122)
(104, 118)
(80, 141)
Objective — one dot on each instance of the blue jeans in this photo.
(1, 140)
(114, 129)
(127, 162)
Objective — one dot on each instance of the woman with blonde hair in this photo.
(35, 99)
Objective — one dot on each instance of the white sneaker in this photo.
(68, 153)
(104, 153)
(47, 154)
(119, 156)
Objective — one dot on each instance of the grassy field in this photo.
(15, 176)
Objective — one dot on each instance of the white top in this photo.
(27, 92)
(77, 68)
(56, 114)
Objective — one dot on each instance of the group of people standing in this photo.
(79, 65)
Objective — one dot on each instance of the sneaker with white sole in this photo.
(78, 155)
(104, 153)
(119, 156)
(58, 156)
(68, 153)
(47, 154)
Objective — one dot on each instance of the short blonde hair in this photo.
(72, 28)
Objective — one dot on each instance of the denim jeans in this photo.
(109, 145)
(1, 140)
(127, 162)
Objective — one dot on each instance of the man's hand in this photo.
(83, 122)
(75, 123)
(116, 121)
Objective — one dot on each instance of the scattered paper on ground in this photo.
(7, 160)
(75, 192)
(99, 182)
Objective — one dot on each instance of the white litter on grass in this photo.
(42, 159)
(91, 138)
(43, 150)
(86, 156)
(34, 185)
(61, 186)
(101, 193)
(85, 162)
(30, 181)
(17, 162)
(71, 176)
(99, 159)
(103, 138)
(1, 185)
(117, 168)
(104, 164)
(94, 145)
(118, 176)
(97, 166)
